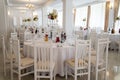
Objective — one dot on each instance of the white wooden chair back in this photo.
(16, 51)
(103, 35)
(21, 37)
(93, 37)
(3, 47)
(102, 56)
(102, 50)
(14, 35)
(81, 35)
(4, 54)
(83, 51)
(43, 55)
(28, 36)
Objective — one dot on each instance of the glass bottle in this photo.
(46, 37)
(57, 38)
(62, 37)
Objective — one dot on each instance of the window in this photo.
(39, 22)
(117, 24)
(97, 17)
(81, 17)
(60, 19)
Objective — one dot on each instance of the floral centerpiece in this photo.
(118, 18)
(27, 20)
(84, 19)
(118, 22)
(35, 18)
(53, 15)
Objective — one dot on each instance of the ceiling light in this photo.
(29, 5)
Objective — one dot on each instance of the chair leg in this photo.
(19, 75)
(11, 74)
(66, 72)
(54, 75)
(51, 75)
(106, 75)
(4, 68)
(35, 76)
(75, 77)
(11, 69)
(96, 78)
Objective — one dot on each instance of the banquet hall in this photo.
(60, 40)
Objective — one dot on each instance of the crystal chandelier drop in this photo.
(29, 5)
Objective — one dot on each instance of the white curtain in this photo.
(117, 24)
(39, 22)
(60, 19)
(81, 13)
(97, 17)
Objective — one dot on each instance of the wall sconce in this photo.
(35, 13)
(111, 5)
(8, 12)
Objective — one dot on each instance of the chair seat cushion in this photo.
(13, 56)
(26, 61)
(93, 53)
(93, 61)
(82, 63)
(45, 65)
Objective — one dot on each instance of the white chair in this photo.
(21, 66)
(5, 61)
(44, 62)
(79, 66)
(21, 38)
(100, 61)
(7, 55)
(80, 34)
(103, 35)
(28, 36)
(14, 35)
(93, 37)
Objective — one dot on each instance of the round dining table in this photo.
(64, 52)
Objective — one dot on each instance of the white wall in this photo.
(3, 23)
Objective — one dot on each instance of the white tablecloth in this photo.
(63, 53)
(114, 40)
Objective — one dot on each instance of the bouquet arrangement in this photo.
(35, 18)
(84, 19)
(118, 18)
(27, 20)
(52, 15)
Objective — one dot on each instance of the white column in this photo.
(68, 16)
(44, 17)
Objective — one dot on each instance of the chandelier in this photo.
(29, 5)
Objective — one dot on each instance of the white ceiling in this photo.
(23, 2)
(39, 3)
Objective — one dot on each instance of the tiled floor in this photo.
(113, 69)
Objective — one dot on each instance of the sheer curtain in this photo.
(60, 19)
(39, 14)
(81, 17)
(117, 24)
(97, 16)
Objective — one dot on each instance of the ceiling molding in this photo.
(91, 3)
